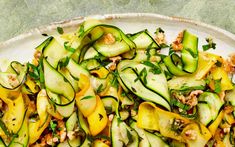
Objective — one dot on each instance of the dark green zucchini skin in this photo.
(189, 57)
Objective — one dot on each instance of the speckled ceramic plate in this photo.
(21, 48)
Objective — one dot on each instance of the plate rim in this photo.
(78, 20)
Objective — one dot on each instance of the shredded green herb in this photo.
(154, 68)
(68, 47)
(100, 116)
(210, 44)
(60, 30)
(87, 97)
(217, 86)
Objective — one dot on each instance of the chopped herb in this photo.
(41, 73)
(33, 71)
(148, 51)
(210, 44)
(60, 30)
(163, 45)
(100, 116)
(4, 128)
(115, 79)
(133, 89)
(207, 80)
(68, 47)
(159, 30)
(168, 75)
(53, 126)
(180, 105)
(87, 97)
(218, 64)
(81, 30)
(63, 62)
(108, 109)
(177, 125)
(43, 34)
(99, 89)
(217, 86)
(143, 73)
(154, 68)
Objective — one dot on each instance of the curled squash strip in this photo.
(172, 125)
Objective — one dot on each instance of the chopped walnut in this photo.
(37, 55)
(71, 135)
(228, 109)
(160, 38)
(109, 39)
(226, 130)
(190, 100)
(111, 117)
(191, 134)
(177, 44)
(229, 64)
(113, 65)
(62, 131)
(115, 59)
(222, 95)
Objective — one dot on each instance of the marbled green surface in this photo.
(17, 16)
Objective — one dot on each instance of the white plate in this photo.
(21, 48)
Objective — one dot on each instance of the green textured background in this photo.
(17, 16)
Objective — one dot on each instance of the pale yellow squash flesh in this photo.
(98, 119)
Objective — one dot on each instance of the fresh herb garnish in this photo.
(68, 47)
(210, 44)
(33, 71)
(44, 34)
(154, 68)
(133, 89)
(81, 30)
(99, 89)
(63, 62)
(217, 86)
(218, 64)
(143, 73)
(4, 128)
(60, 30)
(100, 116)
(148, 51)
(53, 126)
(87, 97)
(159, 30)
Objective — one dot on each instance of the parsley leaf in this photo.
(53, 126)
(159, 30)
(60, 30)
(210, 44)
(100, 116)
(87, 97)
(33, 71)
(63, 62)
(154, 68)
(218, 64)
(68, 47)
(81, 30)
(218, 86)
(99, 89)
